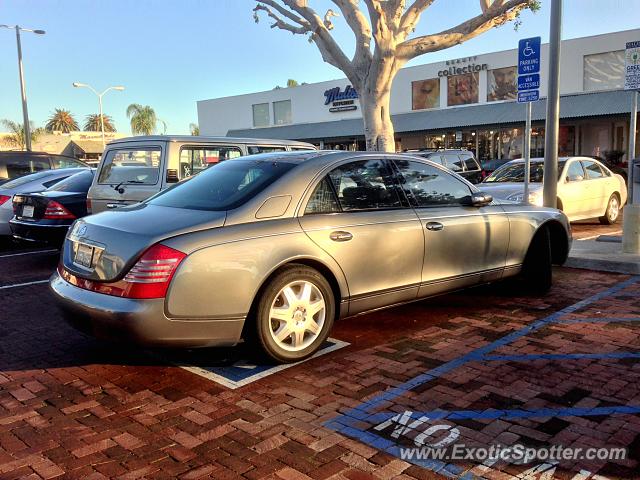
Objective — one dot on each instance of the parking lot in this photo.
(481, 367)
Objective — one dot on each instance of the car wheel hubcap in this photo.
(297, 316)
(614, 208)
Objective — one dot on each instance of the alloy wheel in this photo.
(297, 315)
(614, 209)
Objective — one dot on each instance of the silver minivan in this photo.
(133, 169)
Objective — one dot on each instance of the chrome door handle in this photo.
(116, 205)
(340, 236)
(434, 226)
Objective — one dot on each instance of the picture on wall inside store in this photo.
(462, 89)
(502, 84)
(425, 94)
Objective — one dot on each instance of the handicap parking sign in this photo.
(529, 55)
(528, 69)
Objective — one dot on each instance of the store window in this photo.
(282, 112)
(511, 143)
(425, 94)
(261, 115)
(462, 89)
(502, 84)
(604, 71)
(566, 140)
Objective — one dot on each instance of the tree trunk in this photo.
(378, 129)
(375, 96)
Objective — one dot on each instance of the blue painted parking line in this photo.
(558, 356)
(356, 421)
(600, 320)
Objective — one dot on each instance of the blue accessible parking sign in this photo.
(528, 69)
(529, 55)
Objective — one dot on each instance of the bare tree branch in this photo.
(412, 16)
(499, 13)
(361, 28)
(284, 12)
(329, 48)
(279, 22)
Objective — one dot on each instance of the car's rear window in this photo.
(224, 186)
(80, 182)
(131, 165)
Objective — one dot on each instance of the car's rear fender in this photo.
(225, 269)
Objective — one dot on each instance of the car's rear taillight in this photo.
(4, 198)
(88, 206)
(148, 278)
(56, 211)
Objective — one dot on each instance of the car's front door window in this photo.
(430, 186)
(366, 185)
(575, 173)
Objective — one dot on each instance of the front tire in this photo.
(537, 268)
(612, 213)
(294, 314)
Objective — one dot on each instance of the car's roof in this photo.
(22, 153)
(207, 139)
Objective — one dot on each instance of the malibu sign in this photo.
(342, 100)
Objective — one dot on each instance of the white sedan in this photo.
(586, 188)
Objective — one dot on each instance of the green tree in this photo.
(194, 129)
(16, 138)
(92, 123)
(292, 83)
(62, 120)
(144, 120)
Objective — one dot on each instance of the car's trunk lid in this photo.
(105, 246)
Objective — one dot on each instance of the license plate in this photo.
(27, 211)
(84, 255)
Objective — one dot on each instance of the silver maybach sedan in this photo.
(275, 247)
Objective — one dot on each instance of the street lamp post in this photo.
(23, 92)
(99, 95)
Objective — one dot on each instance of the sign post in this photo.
(528, 91)
(631, 215)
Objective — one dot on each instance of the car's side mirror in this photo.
(477, 199)
(172, 175)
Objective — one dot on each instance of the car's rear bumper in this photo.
(34, 232)
(142, 322)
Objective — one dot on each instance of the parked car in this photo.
(132, 169)
(274, 248)
(586, 188)
(462, 162)
(489, 166)
(35, 182)
(17, 164)
(45, 217)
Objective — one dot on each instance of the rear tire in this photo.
(294, 314)
(537, 270)
(612, 213)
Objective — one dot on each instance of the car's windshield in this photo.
(223, 186)
(514, 173)
(80, 182)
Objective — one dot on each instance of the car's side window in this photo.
(454, 163)
(469, 163)
(429, 186)
(593, 169)
(366, 185)
(194, 159)
(323, 199)
(575, 173)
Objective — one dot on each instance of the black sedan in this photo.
(45, 217)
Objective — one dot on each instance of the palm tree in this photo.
(16, 138)
(144, 120)
(194, 128)
(62, 121)
(92, 123)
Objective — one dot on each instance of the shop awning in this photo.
(571, 106)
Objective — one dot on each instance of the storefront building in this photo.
(463, 102)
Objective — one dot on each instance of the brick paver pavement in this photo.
(72, 407)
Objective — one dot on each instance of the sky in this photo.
(170, 54)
